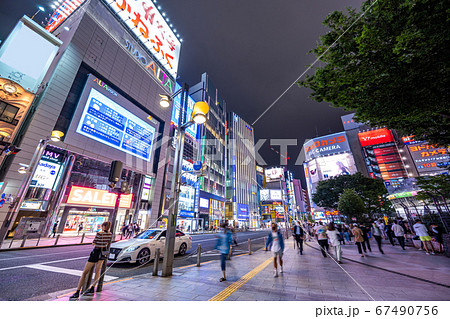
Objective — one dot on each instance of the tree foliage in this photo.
(372, 192)
(391, 67)
(351, 205)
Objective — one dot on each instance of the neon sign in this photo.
(96, 197)
(146, 22)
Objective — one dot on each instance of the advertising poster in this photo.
(109, 123)
(375, 137)
(429, 158)
(45, 175)
(326, 145)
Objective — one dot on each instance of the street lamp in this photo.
(198, 116)
(28, 171)
(40, 8)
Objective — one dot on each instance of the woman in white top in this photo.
(333, 236)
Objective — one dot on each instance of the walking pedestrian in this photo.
(382, 226)
(129, 230)
(223, 245)
(366, 232)
(98, 255)
(399, 234)
(377, 234)
(346, 233)
(80, 228)
(276, 243)
(234, 236)
(55, 228)
(421, 231)
(390, 233)
(136, 228)
(335, 241)
(321, 233)
(298, 234)
(340, 229)
(359, 239)
(437, 233)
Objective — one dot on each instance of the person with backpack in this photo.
(98, 255)
(275, 242)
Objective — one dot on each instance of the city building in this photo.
(242, 172)
(101, 92)
(273, 197)
(210, 196)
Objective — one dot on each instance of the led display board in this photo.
(109, 123)
(274, 174)
(145, 21)
(270, 195)
(326, 145)
(429, 158)
(204, 202)
(374, 137)
(242, 211)
(62, 13)
(96, 197)
(27, 53)
(45, 175)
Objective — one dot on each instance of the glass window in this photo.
(148, 234)
(8, 112)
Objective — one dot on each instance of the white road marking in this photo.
(47, 262)
(64, 271)
(49, 254)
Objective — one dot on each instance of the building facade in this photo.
(102, 92)
(242, 172)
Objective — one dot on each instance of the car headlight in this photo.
(132, 248)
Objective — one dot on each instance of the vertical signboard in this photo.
(27, 54)
(145, 21)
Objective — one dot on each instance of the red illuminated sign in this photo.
(96, 197)
(375, 137)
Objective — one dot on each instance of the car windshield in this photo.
(148, 234)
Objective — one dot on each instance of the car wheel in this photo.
(183, 249)
(143, 256)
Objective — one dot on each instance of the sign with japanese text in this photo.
(97, 197)
(380, 136)
(147, 23)
(274, 174)
(62, 13)
(326, 145)
(429, 158)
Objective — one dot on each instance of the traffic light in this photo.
(11, 149)
(115, 172)
(124, 188)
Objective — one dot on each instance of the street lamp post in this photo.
(199, 113)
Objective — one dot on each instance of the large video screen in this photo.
(109, 123)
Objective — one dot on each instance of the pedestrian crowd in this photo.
(130, 230)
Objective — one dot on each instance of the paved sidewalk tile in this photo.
(306, 277)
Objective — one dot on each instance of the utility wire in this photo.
(301, 75)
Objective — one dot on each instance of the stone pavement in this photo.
(398, 275)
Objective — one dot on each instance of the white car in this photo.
(142, 247)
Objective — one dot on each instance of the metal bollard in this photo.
(265, 241)
(199, 253)
(56, 241)
(156, 262)
(249, 246)
(82, 238)
(24, 239)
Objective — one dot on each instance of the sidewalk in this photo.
(64, 240)
(306, 277)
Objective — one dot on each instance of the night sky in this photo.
(253, 50)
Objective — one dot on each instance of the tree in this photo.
(437, 190)
(351, 205)
(371, 191)
(391, 67)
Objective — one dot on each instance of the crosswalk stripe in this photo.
(64, 271)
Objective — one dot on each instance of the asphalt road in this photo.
(26, 274)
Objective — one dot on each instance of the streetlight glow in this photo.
(164, 102)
